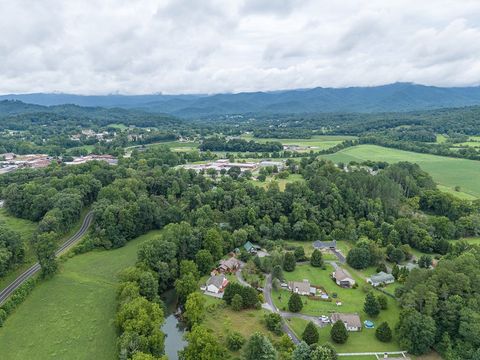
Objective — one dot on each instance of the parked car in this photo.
(324, 319)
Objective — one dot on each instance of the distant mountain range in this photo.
(386, 98)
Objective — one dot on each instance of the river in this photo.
(173, 329)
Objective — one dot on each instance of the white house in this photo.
(216, 284)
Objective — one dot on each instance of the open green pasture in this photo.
(71, 316)
(319, 142)
(447, 172)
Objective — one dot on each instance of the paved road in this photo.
(5, 293)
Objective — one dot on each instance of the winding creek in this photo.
(173, 329)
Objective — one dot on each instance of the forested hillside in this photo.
(386, 98)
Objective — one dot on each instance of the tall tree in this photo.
(316, 259)
(371, 306)
(202, 345)
(194, 309)
(310, 334)
(383, 332)
(289, 262)
(45, 248)
(295, 303)
(259, 347)
(339, 333)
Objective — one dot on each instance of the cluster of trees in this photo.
(54, 197)
(441, 307)
(12, 249)
(239, 145)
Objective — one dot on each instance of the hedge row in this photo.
(16, 299)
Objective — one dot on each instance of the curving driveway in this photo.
(5, 293)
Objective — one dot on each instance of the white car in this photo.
(324, 319)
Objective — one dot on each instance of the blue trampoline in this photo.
(368, 324)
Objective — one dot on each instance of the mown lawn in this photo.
(448, 172)
(352, 302)
(71, 316)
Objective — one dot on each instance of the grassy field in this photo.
(319, 142)
(71, 316)
(224, 320)
(282, 183)
(472, 240)
(447, 172)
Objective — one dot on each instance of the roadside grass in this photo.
(71, 316)
(448, 172)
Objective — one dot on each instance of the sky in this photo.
(212, 46)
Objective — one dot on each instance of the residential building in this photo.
(323, 245)
(251, 248)
(230, 265)
(382, 278)
(351, 321)
(343, 278)
(301, 288)
(217, 283)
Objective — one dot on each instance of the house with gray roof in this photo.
(217, 284)
(325, 245)
(352, 322)
(382, 278)
(343, 278)
(301, 288)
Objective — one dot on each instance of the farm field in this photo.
(447, 172)
(321, 142)
(71, 316)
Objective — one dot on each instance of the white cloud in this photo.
(206, 46)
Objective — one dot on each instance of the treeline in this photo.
(239, 145)
(420, 147)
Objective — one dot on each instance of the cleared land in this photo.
(72, 315)
(282, 183)
(447, 172)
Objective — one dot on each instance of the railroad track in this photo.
(27, 274)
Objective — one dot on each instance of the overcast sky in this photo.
(207, 46)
